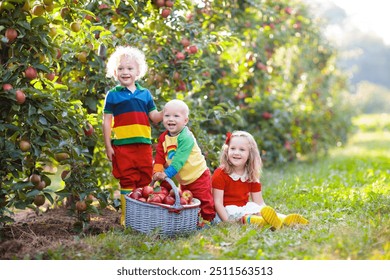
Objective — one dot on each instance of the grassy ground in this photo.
(346, 198)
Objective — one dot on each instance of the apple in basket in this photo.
(161, 195)
(169, 200)
(172, 193)
(154, 198)
(183, 201)
(187, 195)
(135, 195)
(138, 190)
(147, 191)
(164, 190)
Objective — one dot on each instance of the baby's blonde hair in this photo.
(179, 105)
(254, 163)
(133, 53)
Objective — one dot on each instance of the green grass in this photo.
(346, 198)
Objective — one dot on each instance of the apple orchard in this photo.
(261, 66)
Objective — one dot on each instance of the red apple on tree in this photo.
(169, 3)
(185, 42)
(11, 34)
(193, 49)
(160, 3)
(81, 206)
(61, 156)
(89, 130)
(180, 56)
(39, 200)
(35, 179)
(266, 115)
(24, 145)
(31, 73)
(261, 66)
(50, 76)
(41, 185)
(20, 97)
(75, 26)
(7, 87)
(288, 10)
(165, 13)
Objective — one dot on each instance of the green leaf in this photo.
(37, 21)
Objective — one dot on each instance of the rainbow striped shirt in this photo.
(180, 157)
(131, 114)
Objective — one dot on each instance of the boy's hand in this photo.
(110, 153)
(159, 176)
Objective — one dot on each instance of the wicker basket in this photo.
(162, 218)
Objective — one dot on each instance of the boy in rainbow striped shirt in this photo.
(126, 128)
(178, 155)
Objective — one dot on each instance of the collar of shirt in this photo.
(236, 177)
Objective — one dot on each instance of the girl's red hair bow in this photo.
(228, 136)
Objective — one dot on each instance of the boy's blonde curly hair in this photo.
(132, 53)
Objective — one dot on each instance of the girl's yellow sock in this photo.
(271, 217)
(253, 219)
(294, 219)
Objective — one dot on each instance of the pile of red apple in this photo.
(162, 195)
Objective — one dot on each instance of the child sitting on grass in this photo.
(236, 181)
